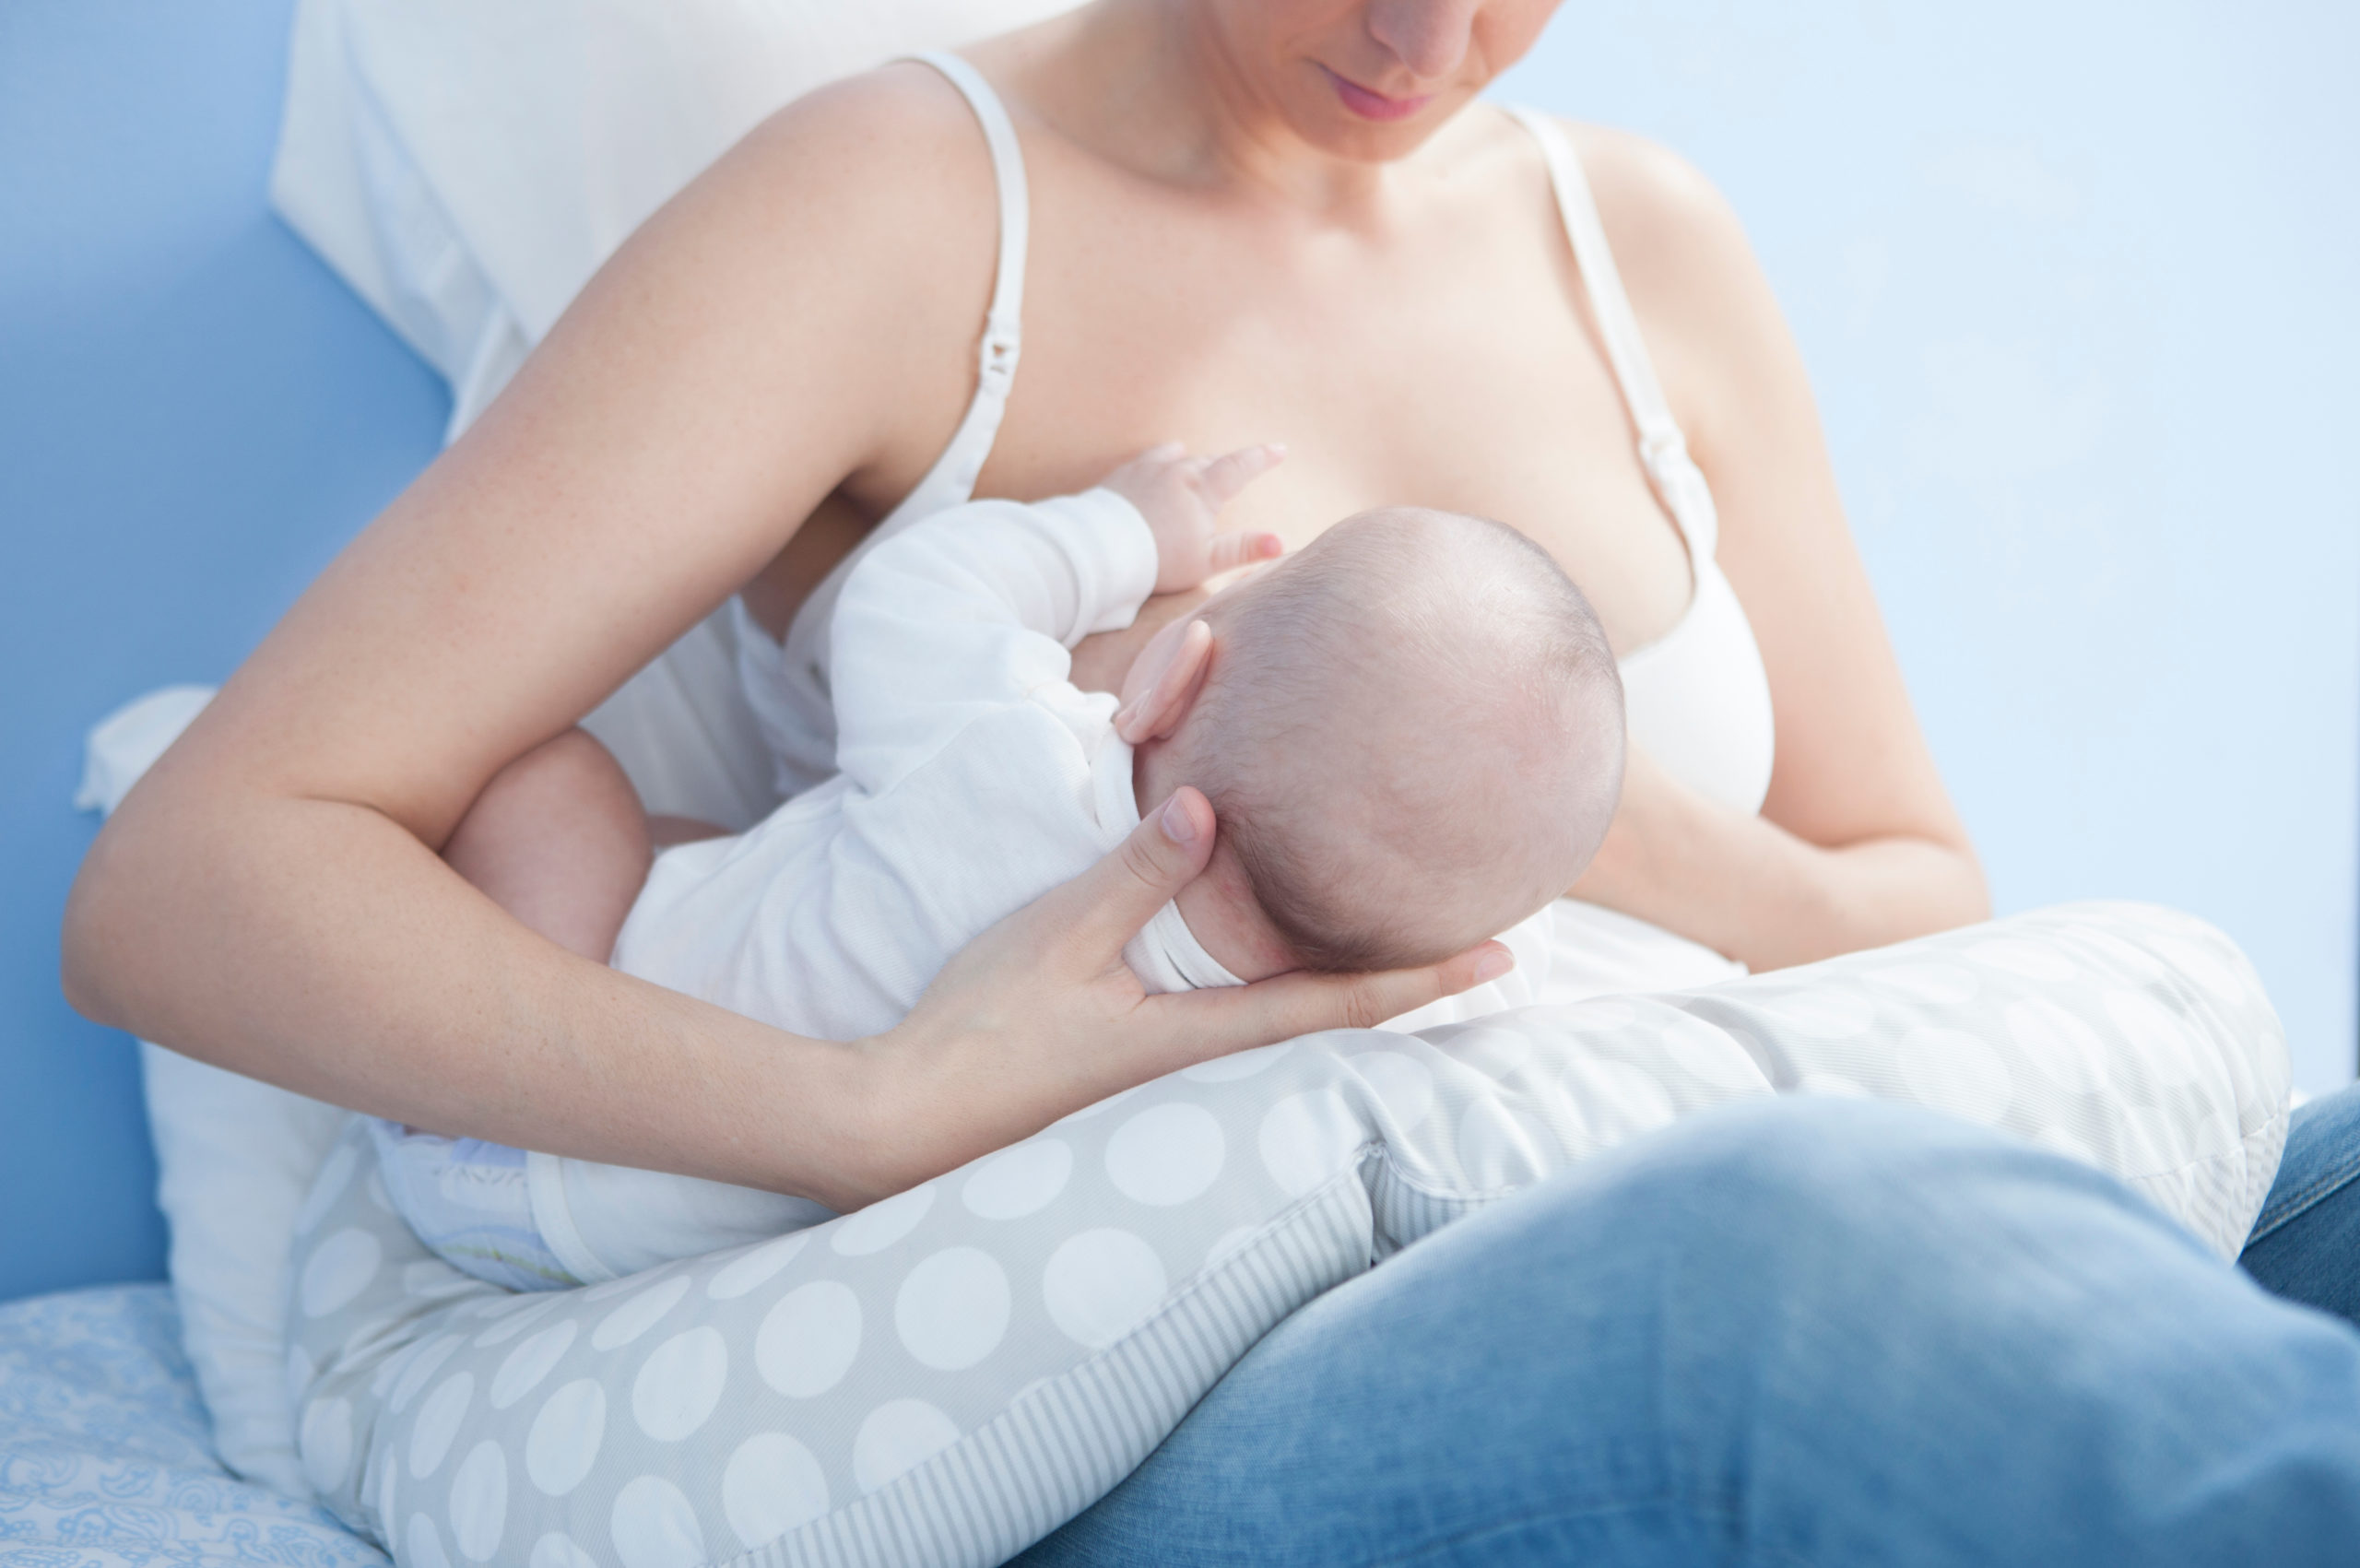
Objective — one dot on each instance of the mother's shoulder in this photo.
(900, 134)
(888, 166)
(1659, 208)
(871, 197)
(1678, 244)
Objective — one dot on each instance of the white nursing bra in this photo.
(1698, 700)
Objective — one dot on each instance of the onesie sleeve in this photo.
(972, 610)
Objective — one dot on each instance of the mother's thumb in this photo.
(1163, 855)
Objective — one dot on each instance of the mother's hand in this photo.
(1040, 1017)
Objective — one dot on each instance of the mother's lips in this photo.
(1372, 105)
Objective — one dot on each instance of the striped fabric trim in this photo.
(1062, 1446)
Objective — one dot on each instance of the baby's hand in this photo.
(1181, 496)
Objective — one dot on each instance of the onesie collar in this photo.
(1165, 955)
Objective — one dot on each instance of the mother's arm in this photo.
(801, 322)
(1858, 844)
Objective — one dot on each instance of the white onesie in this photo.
(973, 777)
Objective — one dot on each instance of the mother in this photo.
(1228, 221)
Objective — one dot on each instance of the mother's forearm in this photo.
(1748, 887)
(1818, 903)
(319, 946)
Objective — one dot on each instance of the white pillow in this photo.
(233, 1158)
(467, 166)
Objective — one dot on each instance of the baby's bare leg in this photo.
(559, 840)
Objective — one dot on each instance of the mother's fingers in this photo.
(1186, 1028)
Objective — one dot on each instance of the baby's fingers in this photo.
(1224, 475)
(1229, 551)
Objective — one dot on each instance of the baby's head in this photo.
(1412, 734)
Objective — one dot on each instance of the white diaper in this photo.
(469, 1201)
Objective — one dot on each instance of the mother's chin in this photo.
(1368, 80)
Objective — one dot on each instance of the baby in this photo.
(1410, 733)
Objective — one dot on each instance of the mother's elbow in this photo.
(1972, 889)
(1946, 891)
(92, 956)
(129, 898)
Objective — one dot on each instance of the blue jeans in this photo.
(1819, 1332)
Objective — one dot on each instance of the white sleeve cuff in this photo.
(1114, 559)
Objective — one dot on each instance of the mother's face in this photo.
(1372, 79)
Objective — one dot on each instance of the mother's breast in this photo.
(1699, 700)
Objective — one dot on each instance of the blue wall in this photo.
(194, 415)
(2075, 298)
(2076, 286)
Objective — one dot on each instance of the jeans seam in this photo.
(1753, 1552)
(2304, 1200)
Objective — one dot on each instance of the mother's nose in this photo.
(1430, 37)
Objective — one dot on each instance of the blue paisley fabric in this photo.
(106, 1456)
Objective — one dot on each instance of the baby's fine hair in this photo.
(1412, 736)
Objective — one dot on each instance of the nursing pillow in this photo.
(2135, 1039)
(945, 1376)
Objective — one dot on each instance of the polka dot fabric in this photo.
(947, 1375)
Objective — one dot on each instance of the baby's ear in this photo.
(1163, 681)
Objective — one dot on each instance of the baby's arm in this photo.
(971, 609)
(559, 840)
(974, 609)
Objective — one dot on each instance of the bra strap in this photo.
(951, 480)
(1004, 325)
(1663, 451)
